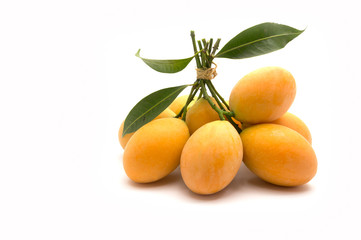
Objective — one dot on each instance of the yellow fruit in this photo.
(177, 105)
(292, 121)
(263, 95)
(211, 157)
(199, 114)
(167, 113)
(154, 150)
(278, 154)
(123, 140)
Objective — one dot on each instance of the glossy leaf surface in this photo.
(166, 66)
(258, 40)
(150, 107)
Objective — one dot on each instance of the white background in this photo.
(68, 77)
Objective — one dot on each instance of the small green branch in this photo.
(210, 45)
(218, 95)
(226, 113)
(204, 42)
(205, 61)
(200, 95)
(190, 98)
(193, 36)
(235, 125)
(215, 47)
(195, 85)
(206, 56)
(207, 97)
(229, 114)
(214, 95)
(180, 112)
(202, 54)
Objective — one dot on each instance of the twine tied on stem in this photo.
(207, 74)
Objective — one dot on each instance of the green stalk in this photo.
(233, 123)
(202, 54)
(219, 95)
(204, 44)
(195, 86)
(206, 55)
(206, 96)
(210, 46)
(215, 47)
(214, 95)
(180, 112)
(189, 100)
(228, 114)
(209, 51)
(200, 95)
(193, 36)
(205, 62)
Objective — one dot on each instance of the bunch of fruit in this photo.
(209, 137)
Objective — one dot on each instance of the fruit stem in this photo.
(193, 36)
(214, 95)
(206, 62)
(204, 43)
(206, 55)
(202, 54)
(215, 47)
(206, 96)
(210, 46)
(235, 125)
(190, 94)
(190, 98)
(205, 52)
(218, 95)
(200, 95)
(228, 113)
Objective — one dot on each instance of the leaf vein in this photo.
(142, 115)
(255, 41)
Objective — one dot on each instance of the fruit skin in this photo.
(200, 113)
(167, 113)
(292, 121)
(263, 95)
(123, 140)
(177, 105)
(211, 157)
(278, 154)
(155, 149)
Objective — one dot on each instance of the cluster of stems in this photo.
(204, 58)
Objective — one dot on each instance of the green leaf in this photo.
(150, 107)
(257, 40)
(166, 66)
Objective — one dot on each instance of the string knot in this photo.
(207, 74)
